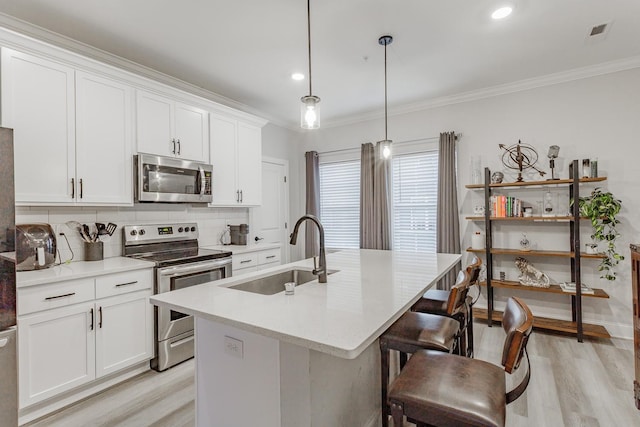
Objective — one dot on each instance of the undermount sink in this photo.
(273, 284)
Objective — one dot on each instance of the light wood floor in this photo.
(572, 384)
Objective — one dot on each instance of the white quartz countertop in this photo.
(342, 317)
(241, 249)
(79, 270)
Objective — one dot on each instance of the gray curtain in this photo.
(375, 182)
(448, 224)
(311, 236)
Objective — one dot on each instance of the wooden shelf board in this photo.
(561, 254)
(553, 289)
(532, 183)
(524, 218)
(562, 326)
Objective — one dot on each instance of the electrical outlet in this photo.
(234, 347)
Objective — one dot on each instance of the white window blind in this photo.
(415, 197)
(340, 203)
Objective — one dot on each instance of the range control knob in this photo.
(180, 230)
(133, 232)
(193, 229)
(142, 232)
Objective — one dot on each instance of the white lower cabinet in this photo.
(248, 262)
(70, 345)
(56, 350)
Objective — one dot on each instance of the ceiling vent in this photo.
(598, 30)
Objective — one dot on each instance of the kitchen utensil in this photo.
(102, 229)
(87, 233)
(111, 228)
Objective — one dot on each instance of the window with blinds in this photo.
(340, 203)
(415, 196)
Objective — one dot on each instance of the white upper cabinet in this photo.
(170, 128)
(104, 140)
(72, 133)
(38, 103)
(236, 156)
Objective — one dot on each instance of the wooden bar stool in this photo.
(436, 301)
(414, 331)
(439, 389)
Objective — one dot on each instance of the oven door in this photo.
(169, 322)
(165, 179)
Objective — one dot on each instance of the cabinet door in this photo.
(154, 124)
(192, 133)
(56, 350)
(124, 331)
(223, 158)
(103, 140)
(250, 164)
(38, 103)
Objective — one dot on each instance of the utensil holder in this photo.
(93, 251)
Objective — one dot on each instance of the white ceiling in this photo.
(246, 50)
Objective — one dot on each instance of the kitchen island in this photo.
(308, 359)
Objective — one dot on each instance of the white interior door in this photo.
(271, 219)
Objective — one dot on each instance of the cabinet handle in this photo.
(60, 296)
(126, 284)
(271, 256)
(241, 198)
(100, 317)
(73, 188)
(178, 147)
(238, 196)
(174, 145)
(81, 188)
(91, 314)
(245, 261)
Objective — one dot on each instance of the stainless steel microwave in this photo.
(167, 179)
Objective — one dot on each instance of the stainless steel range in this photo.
(180, 263)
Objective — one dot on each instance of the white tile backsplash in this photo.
(211, 222)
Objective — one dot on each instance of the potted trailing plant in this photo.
(602, 209)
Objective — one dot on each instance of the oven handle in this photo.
(195, 267)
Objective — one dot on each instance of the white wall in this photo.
(589, 118)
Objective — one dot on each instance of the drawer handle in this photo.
(126, 284)
(271, 256)
(245, 261)
(60, 296)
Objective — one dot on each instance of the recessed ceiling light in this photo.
(501, 13)
(297, 76)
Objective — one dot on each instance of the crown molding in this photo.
(39, 34)
(519, 86)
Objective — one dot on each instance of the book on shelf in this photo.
(505, 206)
(571, 287)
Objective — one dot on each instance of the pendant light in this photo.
(310, 110)
(386, 142)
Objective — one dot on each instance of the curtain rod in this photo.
(458, 135)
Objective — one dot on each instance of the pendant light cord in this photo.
(385, 92)
(309, 40)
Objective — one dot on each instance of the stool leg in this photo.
(384, 369)
(403, 359)
(397, 412)
(470, 333)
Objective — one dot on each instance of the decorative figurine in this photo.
(497, 177)
(520, 157)
(531, 276)
(525, 244)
